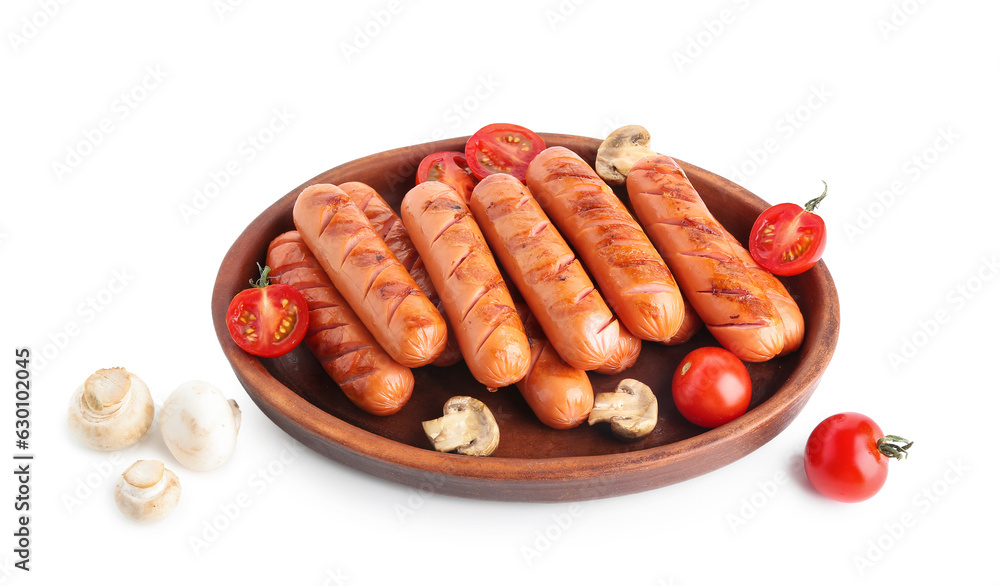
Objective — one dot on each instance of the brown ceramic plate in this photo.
(533, 462)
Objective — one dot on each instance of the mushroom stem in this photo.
(467, 427)
(452, 431)
(111, 410)
(237, 414)
(631, 410)
(147, 491)
(106, 387)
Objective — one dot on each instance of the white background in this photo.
(850, 92)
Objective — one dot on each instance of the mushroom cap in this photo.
(111, 410)
(468, 427)
(199, 425)
(620, 151)
(147, 491)
(631, 409)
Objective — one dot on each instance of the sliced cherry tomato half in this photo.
(787, 239)
(450, 168)
(502, 148)
(268, 320)
(711, 387)
(847, 457)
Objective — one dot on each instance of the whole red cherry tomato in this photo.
(711, 386)
(268, 320)
(847, 457)
(787, 239)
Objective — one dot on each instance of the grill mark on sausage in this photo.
(388, 225)
(496, 326)
(483, 290)
(647, 288)
(563, 264)
(368, 198)
(396, 303)
(541, 344)
(354, 378)
(726, 292)
(583, 294)
(327, 215)
(687, 222)
(566, 166)
(458, 217)
(378, 270)
(538, 228)
(352, 243)
(714, 255)
(744, 325)
(465, 256)
(304, 287)
(618, 233)
(611, 320)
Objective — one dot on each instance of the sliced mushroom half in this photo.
(631, 409)
(620, 151)
(468, 427)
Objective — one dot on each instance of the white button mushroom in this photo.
(147, 491)
(467, 427)
(620, 151)
(111, 410)
(631, 409)
(199, 425)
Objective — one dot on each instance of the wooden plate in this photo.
(533, 462)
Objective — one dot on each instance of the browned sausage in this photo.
(792, 323)
(368, 276)
(734, 301)
(629, 271)
(544, 269)
(624, 354)
(559, 395)
(369, 377)
(475, 297)
(689, 327)
(391, 229)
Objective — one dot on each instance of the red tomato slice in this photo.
(268, 320)
(450, 168)
(711, 387)
(787, 239)
(502, 148)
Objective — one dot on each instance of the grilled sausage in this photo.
(369, 377)
(628, 270)
(465, 274)
(623, 355)
(689, 327)
(560, 395)
(368, 276)
(391, 229)
(544, 269)
(711, 267)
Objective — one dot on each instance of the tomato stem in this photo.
(813, 203)
(888, 446)
(265, 277)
